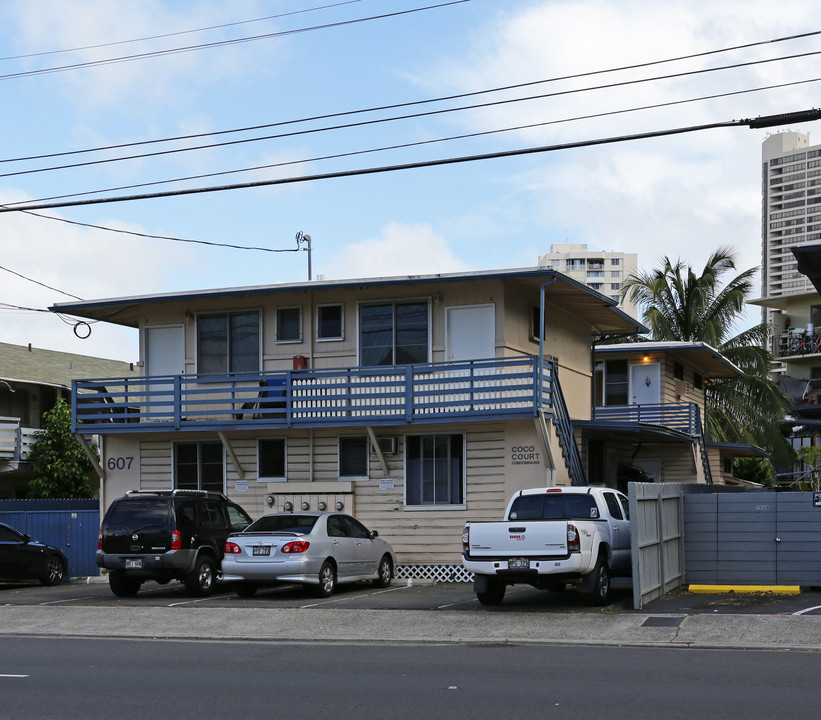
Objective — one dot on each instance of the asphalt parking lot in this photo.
(401, 595)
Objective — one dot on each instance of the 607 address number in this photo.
(119, 463)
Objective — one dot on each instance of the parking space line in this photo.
(807, 610)
(14, 676)
(199, 600)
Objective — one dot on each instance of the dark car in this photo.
(22, 558)
(166, 535)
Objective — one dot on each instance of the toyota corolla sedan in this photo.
(315, 549)
(22, 558)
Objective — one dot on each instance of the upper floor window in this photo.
(289, 324)
(698, 381)
(615, 261)
(611, 382)
(329, 322)
(228, 342)
(393, 333)
(678, 371)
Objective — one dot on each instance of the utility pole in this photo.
(301, 237)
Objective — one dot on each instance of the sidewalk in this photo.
(398, 626)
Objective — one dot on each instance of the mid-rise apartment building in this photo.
(599, 270)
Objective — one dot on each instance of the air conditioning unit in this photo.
(387, 445)
(680, 389)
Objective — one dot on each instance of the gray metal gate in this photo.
(752, 538)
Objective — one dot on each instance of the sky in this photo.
(95, 75)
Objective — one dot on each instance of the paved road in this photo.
(100, 679)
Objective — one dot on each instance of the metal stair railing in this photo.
(564, 427)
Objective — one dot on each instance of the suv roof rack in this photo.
(192, 493)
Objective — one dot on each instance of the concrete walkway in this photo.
(801, 632)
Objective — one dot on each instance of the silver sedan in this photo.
(317, 549)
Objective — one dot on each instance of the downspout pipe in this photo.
(541, 340)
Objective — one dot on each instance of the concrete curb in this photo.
(714, 631)
(721, 589)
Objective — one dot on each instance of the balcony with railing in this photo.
(15, 441)
(403, 394)
(681, 417)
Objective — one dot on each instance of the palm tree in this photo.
(677, 304)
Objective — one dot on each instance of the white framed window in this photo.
(199, 466)
(228, 342)
(330, 322)
(272, 459)
(354, 451)
(289, 324)
(435, 471)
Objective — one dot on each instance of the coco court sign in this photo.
(525, 455)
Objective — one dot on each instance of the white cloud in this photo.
(400, 250)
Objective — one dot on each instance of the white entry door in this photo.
(164, 355)
(470, 332)
(645, 384)
(645, 392)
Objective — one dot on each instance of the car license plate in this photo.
(518, 564)
(261, 550)
(136, 564)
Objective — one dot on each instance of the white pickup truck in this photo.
(551, 537)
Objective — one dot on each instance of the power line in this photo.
(220, 43)
(37, 282)
(176, 34)
(427, 113)
(395, 106)
(768, 121)
(399, 146)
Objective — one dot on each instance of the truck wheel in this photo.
(494, 594)
(601, 584)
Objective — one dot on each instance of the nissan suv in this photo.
(167, 535)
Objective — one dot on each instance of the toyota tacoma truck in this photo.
(550, 538)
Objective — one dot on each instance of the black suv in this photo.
(167, 535)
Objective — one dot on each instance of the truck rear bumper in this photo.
(571, 567)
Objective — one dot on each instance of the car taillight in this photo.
(295, 546)
(100, 540)
(232, 549)
(465, 539)
(573, 543)
(176, 540)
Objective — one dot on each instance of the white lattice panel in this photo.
(438, 573)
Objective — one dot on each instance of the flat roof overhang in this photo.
(709, 360)
(600, 311)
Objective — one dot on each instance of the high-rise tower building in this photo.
(602, 271)
(791, 210)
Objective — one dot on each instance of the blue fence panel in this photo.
(71, 525)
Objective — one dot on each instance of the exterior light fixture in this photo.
(288, 507)
(339, 505)
(321, 506)
(306, 505)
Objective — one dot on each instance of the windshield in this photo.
(283, 523)
(554, 506)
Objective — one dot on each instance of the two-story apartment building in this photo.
(648, 408)
(32, 380)
(412, 402)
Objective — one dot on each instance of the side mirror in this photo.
(26, 538)
(374, 533)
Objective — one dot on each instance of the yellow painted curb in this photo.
(716, 589)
